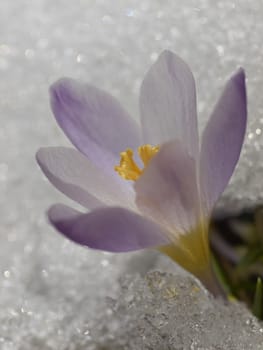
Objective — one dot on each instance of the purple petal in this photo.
(93, 120)
(168, 103)
(222, 139)
(71, 173)
(167, 190)
(110, 229)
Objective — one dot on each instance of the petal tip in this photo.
(239, 77)
(57, 212)
(50, 213)
(42, 153)
(62, 218)
(39, 155)
(60, 83)
(166, 53)
(61, 90)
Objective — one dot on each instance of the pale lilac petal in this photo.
(168, 103)
(71, 173)
(167, 190)
(222, 139)
(110, 229)
(93, 120)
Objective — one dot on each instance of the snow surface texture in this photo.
(52, 293)
(168, 312)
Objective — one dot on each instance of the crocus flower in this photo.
(164, 201)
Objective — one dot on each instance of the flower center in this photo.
(128, 169)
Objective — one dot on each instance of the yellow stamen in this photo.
(128, 169)
(146, 152)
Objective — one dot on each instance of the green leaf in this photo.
(250, 258)
(259, 224)
(258, 299)
(222, 276)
